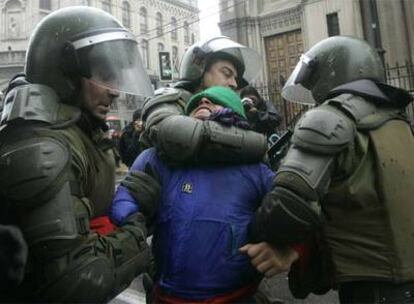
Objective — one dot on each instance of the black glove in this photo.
(13, 256)
(139, 228)
(145, 188)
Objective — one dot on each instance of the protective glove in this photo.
(13, 256)
(145, 188)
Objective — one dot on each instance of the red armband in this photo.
(102, 225)
(301, 250)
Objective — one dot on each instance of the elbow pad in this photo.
(285, 218)
(187, 140)
(35, 182)
(179, 138)
(231, 145)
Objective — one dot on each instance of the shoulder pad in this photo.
(165, 95)
(33, 170)
(324, 130)
(166, 91)
(366, 114)
(31, 101)
(35, 102)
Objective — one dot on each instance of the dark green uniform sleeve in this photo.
(13, 256)
(169, 131)
(291, 211)
(67, 261)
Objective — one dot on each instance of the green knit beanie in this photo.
(223, 96)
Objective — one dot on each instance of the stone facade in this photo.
(256, 22)
(159, 25)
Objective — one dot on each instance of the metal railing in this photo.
(290, 111)
(402, 76)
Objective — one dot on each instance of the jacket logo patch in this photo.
(187, 188)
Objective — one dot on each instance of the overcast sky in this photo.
(209, 17)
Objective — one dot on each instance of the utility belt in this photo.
(376, 292)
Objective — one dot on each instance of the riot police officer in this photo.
(352, 155)
(57, 170)
(216, 61)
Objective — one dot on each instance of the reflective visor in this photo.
(248, 57)
(294, 89)
(112, 61)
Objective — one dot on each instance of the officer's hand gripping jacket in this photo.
(145, 188)
(290, 212)
(40, 184)
(13, 256)
(184, 140)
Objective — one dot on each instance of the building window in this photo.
(106, 6)
(14, 20)
(333, 24)
(174, 28)
(227, 6)
(159, 24)
(175, 61)
(131, 101)
(144, 53)
(114, 105)
(126, 14)
(160, 47)
(186, 33)
(45, 5)
(144, 20)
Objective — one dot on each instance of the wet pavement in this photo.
(276, 290)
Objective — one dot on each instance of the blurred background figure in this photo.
(262, 114)
(129, 147)
(13, 256)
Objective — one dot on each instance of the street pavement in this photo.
(276, 289)
(134, 294)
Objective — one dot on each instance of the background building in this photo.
(283, 29)
(166, 26)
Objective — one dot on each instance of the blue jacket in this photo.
(202, 221)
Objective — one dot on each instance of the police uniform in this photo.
(349, 175)
(166, 129)
(57, 170)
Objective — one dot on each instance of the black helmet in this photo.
(76, 42)
(330, 63)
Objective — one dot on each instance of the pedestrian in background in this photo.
(261, 114)
(129, 146)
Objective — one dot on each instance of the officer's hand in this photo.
(145, 187)
(253, 110)
(13, 256)
(269, 260)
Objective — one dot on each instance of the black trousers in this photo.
(376, 293)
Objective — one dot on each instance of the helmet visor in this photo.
(294, 90)
(250, 60)
(248, 57)
(117, 65)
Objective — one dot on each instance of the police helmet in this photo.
(196, 59)
(80, 41)
(332, 62)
